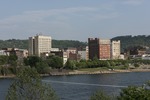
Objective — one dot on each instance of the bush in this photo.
(99, 96)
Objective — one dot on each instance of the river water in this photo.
(81, 87)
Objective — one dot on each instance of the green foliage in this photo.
(55, 62)
(28, 86)
(134, 93)
(111, 64)
(42, 67)
(32, 60)
(23, 44)
(140, 40)
(13, 58)
(136, 65)
(14, 43)
(3, 60)
(67, 43)
(129, 93)
(99, 96)
(70, 65)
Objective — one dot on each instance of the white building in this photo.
(39, 44)
(82, 54)
(87, 52)
(115, 49)
(3, 53)
(146, 57)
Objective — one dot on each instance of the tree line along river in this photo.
(81, 87)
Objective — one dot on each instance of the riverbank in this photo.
(7, 76)
(78, 72)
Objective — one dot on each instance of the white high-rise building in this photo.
(39, 44)
(115, 49)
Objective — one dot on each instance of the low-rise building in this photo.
(83, 55)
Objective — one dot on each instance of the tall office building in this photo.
(39, 44)
(115, 49)
(99, 48)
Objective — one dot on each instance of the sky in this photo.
(73, 19)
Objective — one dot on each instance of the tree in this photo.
(135, 93)
(70, 65)
(136, 65)
(99, 96)
(32, 60)
(55, 61)
(28, 86)
(42, 67)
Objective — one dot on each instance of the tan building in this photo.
(87, 52)
(39, 44)
(115, 49)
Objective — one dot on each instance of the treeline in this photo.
(110, 64)
(23, 44)
(14, 43)
(10, 64)
(68, 43)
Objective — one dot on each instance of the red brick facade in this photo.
(99, 48)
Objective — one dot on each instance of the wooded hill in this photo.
(23, 44)
(131, 41)
(126, 41)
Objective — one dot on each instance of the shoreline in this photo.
(76, 72)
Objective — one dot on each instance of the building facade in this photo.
(83, 55)
(99, 48)
(39, 44)
(115, 49)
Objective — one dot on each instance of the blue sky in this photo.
(74, 19)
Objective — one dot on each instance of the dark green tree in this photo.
(136, 65)
(55, 62)
(135, 93)
(32, 60)
(70, 65)
(28, 86)
(42, 67)
(99, 95)
(3, 60)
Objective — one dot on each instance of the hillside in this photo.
(14, 43)
(23, 44)
(129, 41)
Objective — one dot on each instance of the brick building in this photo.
(99, 48)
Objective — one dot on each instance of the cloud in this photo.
(54, 15)
(38, 16)
(55, 21)
(133, 2)
(104, 16)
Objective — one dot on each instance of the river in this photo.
(81, 87)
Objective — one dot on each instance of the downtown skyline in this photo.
(74, 19)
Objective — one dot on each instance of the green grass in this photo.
(120, 67)
(93, 69)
